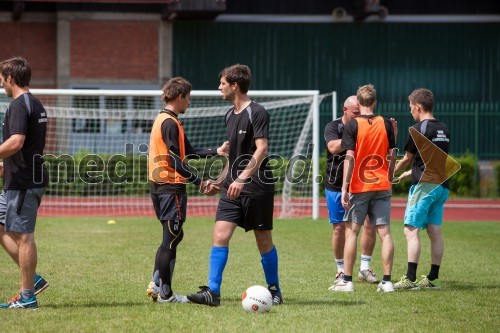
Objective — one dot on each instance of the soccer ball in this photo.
(257, 299)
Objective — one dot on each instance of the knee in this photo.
(411, 234)
(339, 230)
(220, 238)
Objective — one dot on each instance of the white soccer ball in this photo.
(257, 299)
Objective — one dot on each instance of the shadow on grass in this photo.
(456, 285)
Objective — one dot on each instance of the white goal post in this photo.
(97, 141)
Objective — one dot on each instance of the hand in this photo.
(207, 187)
(224, 149)
(211, 188)
(346, 203)
(234, 190)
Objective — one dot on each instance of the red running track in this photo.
(455, 209)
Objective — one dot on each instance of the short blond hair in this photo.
(367, 95)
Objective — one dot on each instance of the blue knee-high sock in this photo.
(270, 265)
(218, 260)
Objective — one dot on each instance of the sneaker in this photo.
(175, 298)
(406, 284)
(40, 285)
(425, 283)
(368, 275)
(385, 286)
(152, 291)
(205, 296)
(21, 303)
(277, 298)
(346, 286)
(339, 277)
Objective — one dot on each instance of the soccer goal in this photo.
(97, 145)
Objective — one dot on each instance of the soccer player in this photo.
(333, 189)
(25, 178)
(168, 175)
(366, 185)
(247, 195)
(429, 190)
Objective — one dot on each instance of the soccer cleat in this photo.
(152, 291)
(345, 286)
(175, 298)
(425, 283)
(205, 296)
(277, 298)
(40, 285)
(406, 284)
(339, 277)
(368, 275)
(385, 286)
(21, 303)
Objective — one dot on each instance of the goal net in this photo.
(97, 145)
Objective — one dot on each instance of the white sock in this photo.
(340, 265)
(365, 262)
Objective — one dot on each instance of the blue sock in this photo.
(270, 265)
(218, 260)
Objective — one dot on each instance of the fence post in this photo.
(476, 147)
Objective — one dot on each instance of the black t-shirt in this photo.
(437, 132)
(242, 130)
(170, 135)
(334, 163)
(25, 170)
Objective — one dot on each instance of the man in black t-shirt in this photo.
(333, 190)
(247, 194)
(426, 149)
(25, 178)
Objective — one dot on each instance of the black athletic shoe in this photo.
(277, 298)
(205, 296)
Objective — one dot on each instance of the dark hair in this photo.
(367, 95)
(423, 97)
(174, 87)
(19, 70)
(239, 74)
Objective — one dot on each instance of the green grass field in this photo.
(99, 272)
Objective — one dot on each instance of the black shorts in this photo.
(249, 212)
(170, 206)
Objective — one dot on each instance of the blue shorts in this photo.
(335, 209)
(425, 205)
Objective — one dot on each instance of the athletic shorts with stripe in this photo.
(170, 206)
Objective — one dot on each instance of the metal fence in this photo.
(474, 127)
